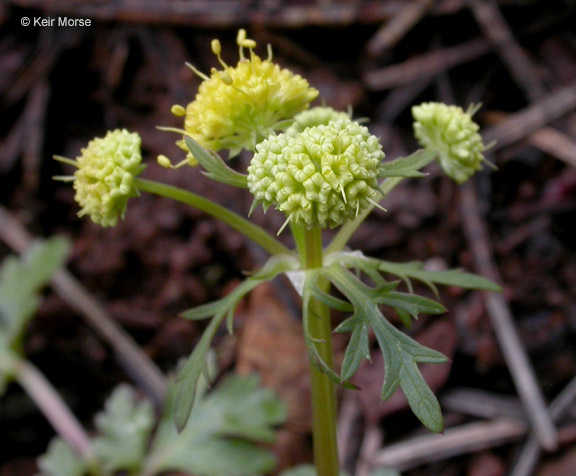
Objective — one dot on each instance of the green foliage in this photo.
(452, 277)
(20, 281)
(61, 460)
(407, 166)
(219, 438)
(124, 428)
(195, 367)
(215, 167)
(400, 352)
(222, 436)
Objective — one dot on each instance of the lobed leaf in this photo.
(21, 279)
(221, 435)
(125, 426)
(453, 277)
(400, 352)
(195, 367)
(60, 460)
(408, 166)
(215, 167)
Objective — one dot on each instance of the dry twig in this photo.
(131, 357)
(503, 323)
(455, 441)
(500, 35)
(395, 29)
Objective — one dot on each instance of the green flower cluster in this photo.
(453, 135)
(321, 177)
(105, 177)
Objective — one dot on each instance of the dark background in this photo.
(62, 86)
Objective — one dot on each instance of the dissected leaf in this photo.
(215, 167)
(7, 364)
(315, 358)
(124, 427)
(413, 270)
(357, 350)
(400, 352)
(411, 303)
(453, 277)
(220, 436)
(21, 279)
(195, 367)
(407, 166)
(60, 460)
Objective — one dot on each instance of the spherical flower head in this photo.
(453, 135)
(237, 107)
(321, 177)
(105, 177)
(315, 116)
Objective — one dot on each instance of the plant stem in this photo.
(323, 391)
(53, 407)
(257, 234)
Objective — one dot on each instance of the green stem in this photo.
(346, 232)
(323, 391)
(257, 234)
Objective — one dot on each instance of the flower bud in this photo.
(321, 177)
(105, 177)
(453, 135)
(316, 116)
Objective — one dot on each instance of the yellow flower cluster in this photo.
(238, 107)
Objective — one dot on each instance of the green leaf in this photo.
(189, 375)
(453, 277)
(125, 427)
(411, 303)
(221, 435)
(309, 340)
(20, 280)
(195, 367)
(60, 460)
(357, 350)
(215, 167)
(407, 166)
(8, 362)
(400, 352)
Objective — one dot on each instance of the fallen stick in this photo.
(136, 363)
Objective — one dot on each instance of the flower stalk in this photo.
(255, 233)
(323, 391)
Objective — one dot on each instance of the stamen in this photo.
(172, 129)
(269, 49)
(217, 49)
(164, 161)
(197, 72)
(178, 110)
